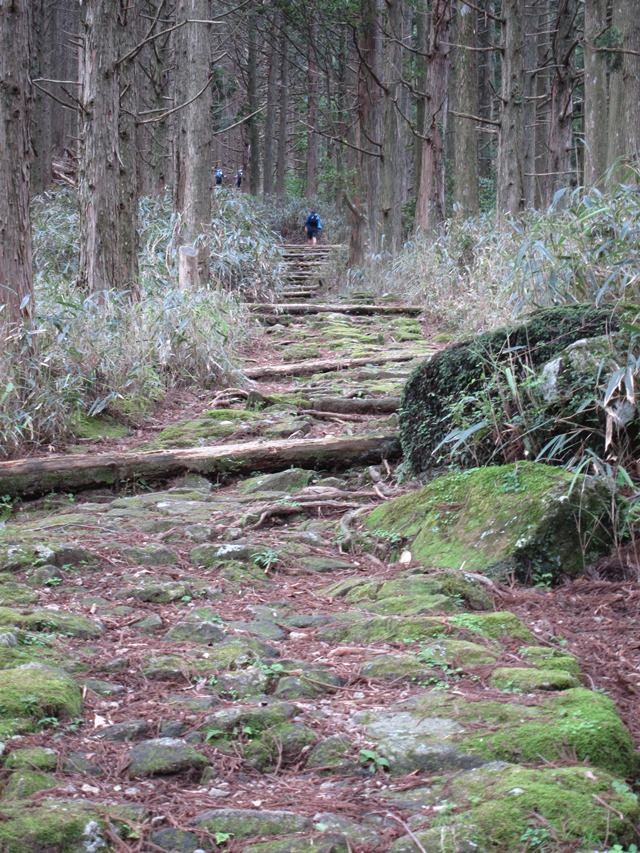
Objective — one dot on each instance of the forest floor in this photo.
(257, 671)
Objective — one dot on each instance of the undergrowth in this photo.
(81, 355)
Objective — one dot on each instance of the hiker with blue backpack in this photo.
(313, 227)
(219, 177)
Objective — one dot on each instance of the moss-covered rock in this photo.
(279, 746)
(546, 657)
(585, 723)
(34, 692)
(526, 679)
(32, 758)
(244, 823)
(413, 593)
(432, 407)
(23, 783)
(326, 842)
(502, 808)
(164, 756)
(525, 519)
(333, 755)
(61, 826)
(54, 621)
(206, 429)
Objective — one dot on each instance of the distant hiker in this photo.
(313, 227)
(239, 178)
(219, 177)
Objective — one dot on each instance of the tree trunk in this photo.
(154, 161)
(253, 98)
(596, 104)
(283, 112)
(270, 120)
(630, 26)
(560, 143)
(531, 114)
(41, 66)
(16, 97)
(313, 81)
(193, 156)
(33, 477)
(370, 106)
(510, 177)
(430, 201)
(465, 180)
(107, 224)
(394, 165)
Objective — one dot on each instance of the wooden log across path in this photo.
(327, 365)
(335, 308)
(28, 478)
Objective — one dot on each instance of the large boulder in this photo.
(527, 520)
(478, 394)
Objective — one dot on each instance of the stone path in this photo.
(247, 666)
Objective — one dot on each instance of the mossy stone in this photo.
(33, 691)
(548, 658)
(526, 519)
(577, 808)
(244, 823)
(178, 840)
(382, 629)
(499, 625)
(150, 555)
(243, 683)
(326, 842)
(290, 481)
(435, 389)
(333, 755)
(256, 717)
(527, 679)
(280, 745)
(164, 756)
(23, 783)
(206, 429)
(32, 758)
(200, 625)
(52, 621)
(17, 593)
(64, 826)
(579, 720)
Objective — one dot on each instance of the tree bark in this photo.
(253, 98)
(283, 112)
(41, 66)
(465, 180)
(270, 119)
(370, 107)
(596, 104)
(394, 166)
(510, 172)
(430, 201)
(313, 85)
(16, 98)
(560, 145)
(108, 223)
(33, 477)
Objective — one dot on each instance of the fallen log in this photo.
(327, 365)
(356, 405)
(337, 308)
(28, 478)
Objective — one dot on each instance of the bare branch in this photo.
(479, 119)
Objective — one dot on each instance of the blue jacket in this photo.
(313, 221)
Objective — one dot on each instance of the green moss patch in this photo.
(413, 593)
(54, 621)
(32, 693)
(527, 679)
(101, 426)
(575, 722)
(207, 428)
(505, 808)
(525, 519)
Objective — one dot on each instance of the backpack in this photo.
(314, 221)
